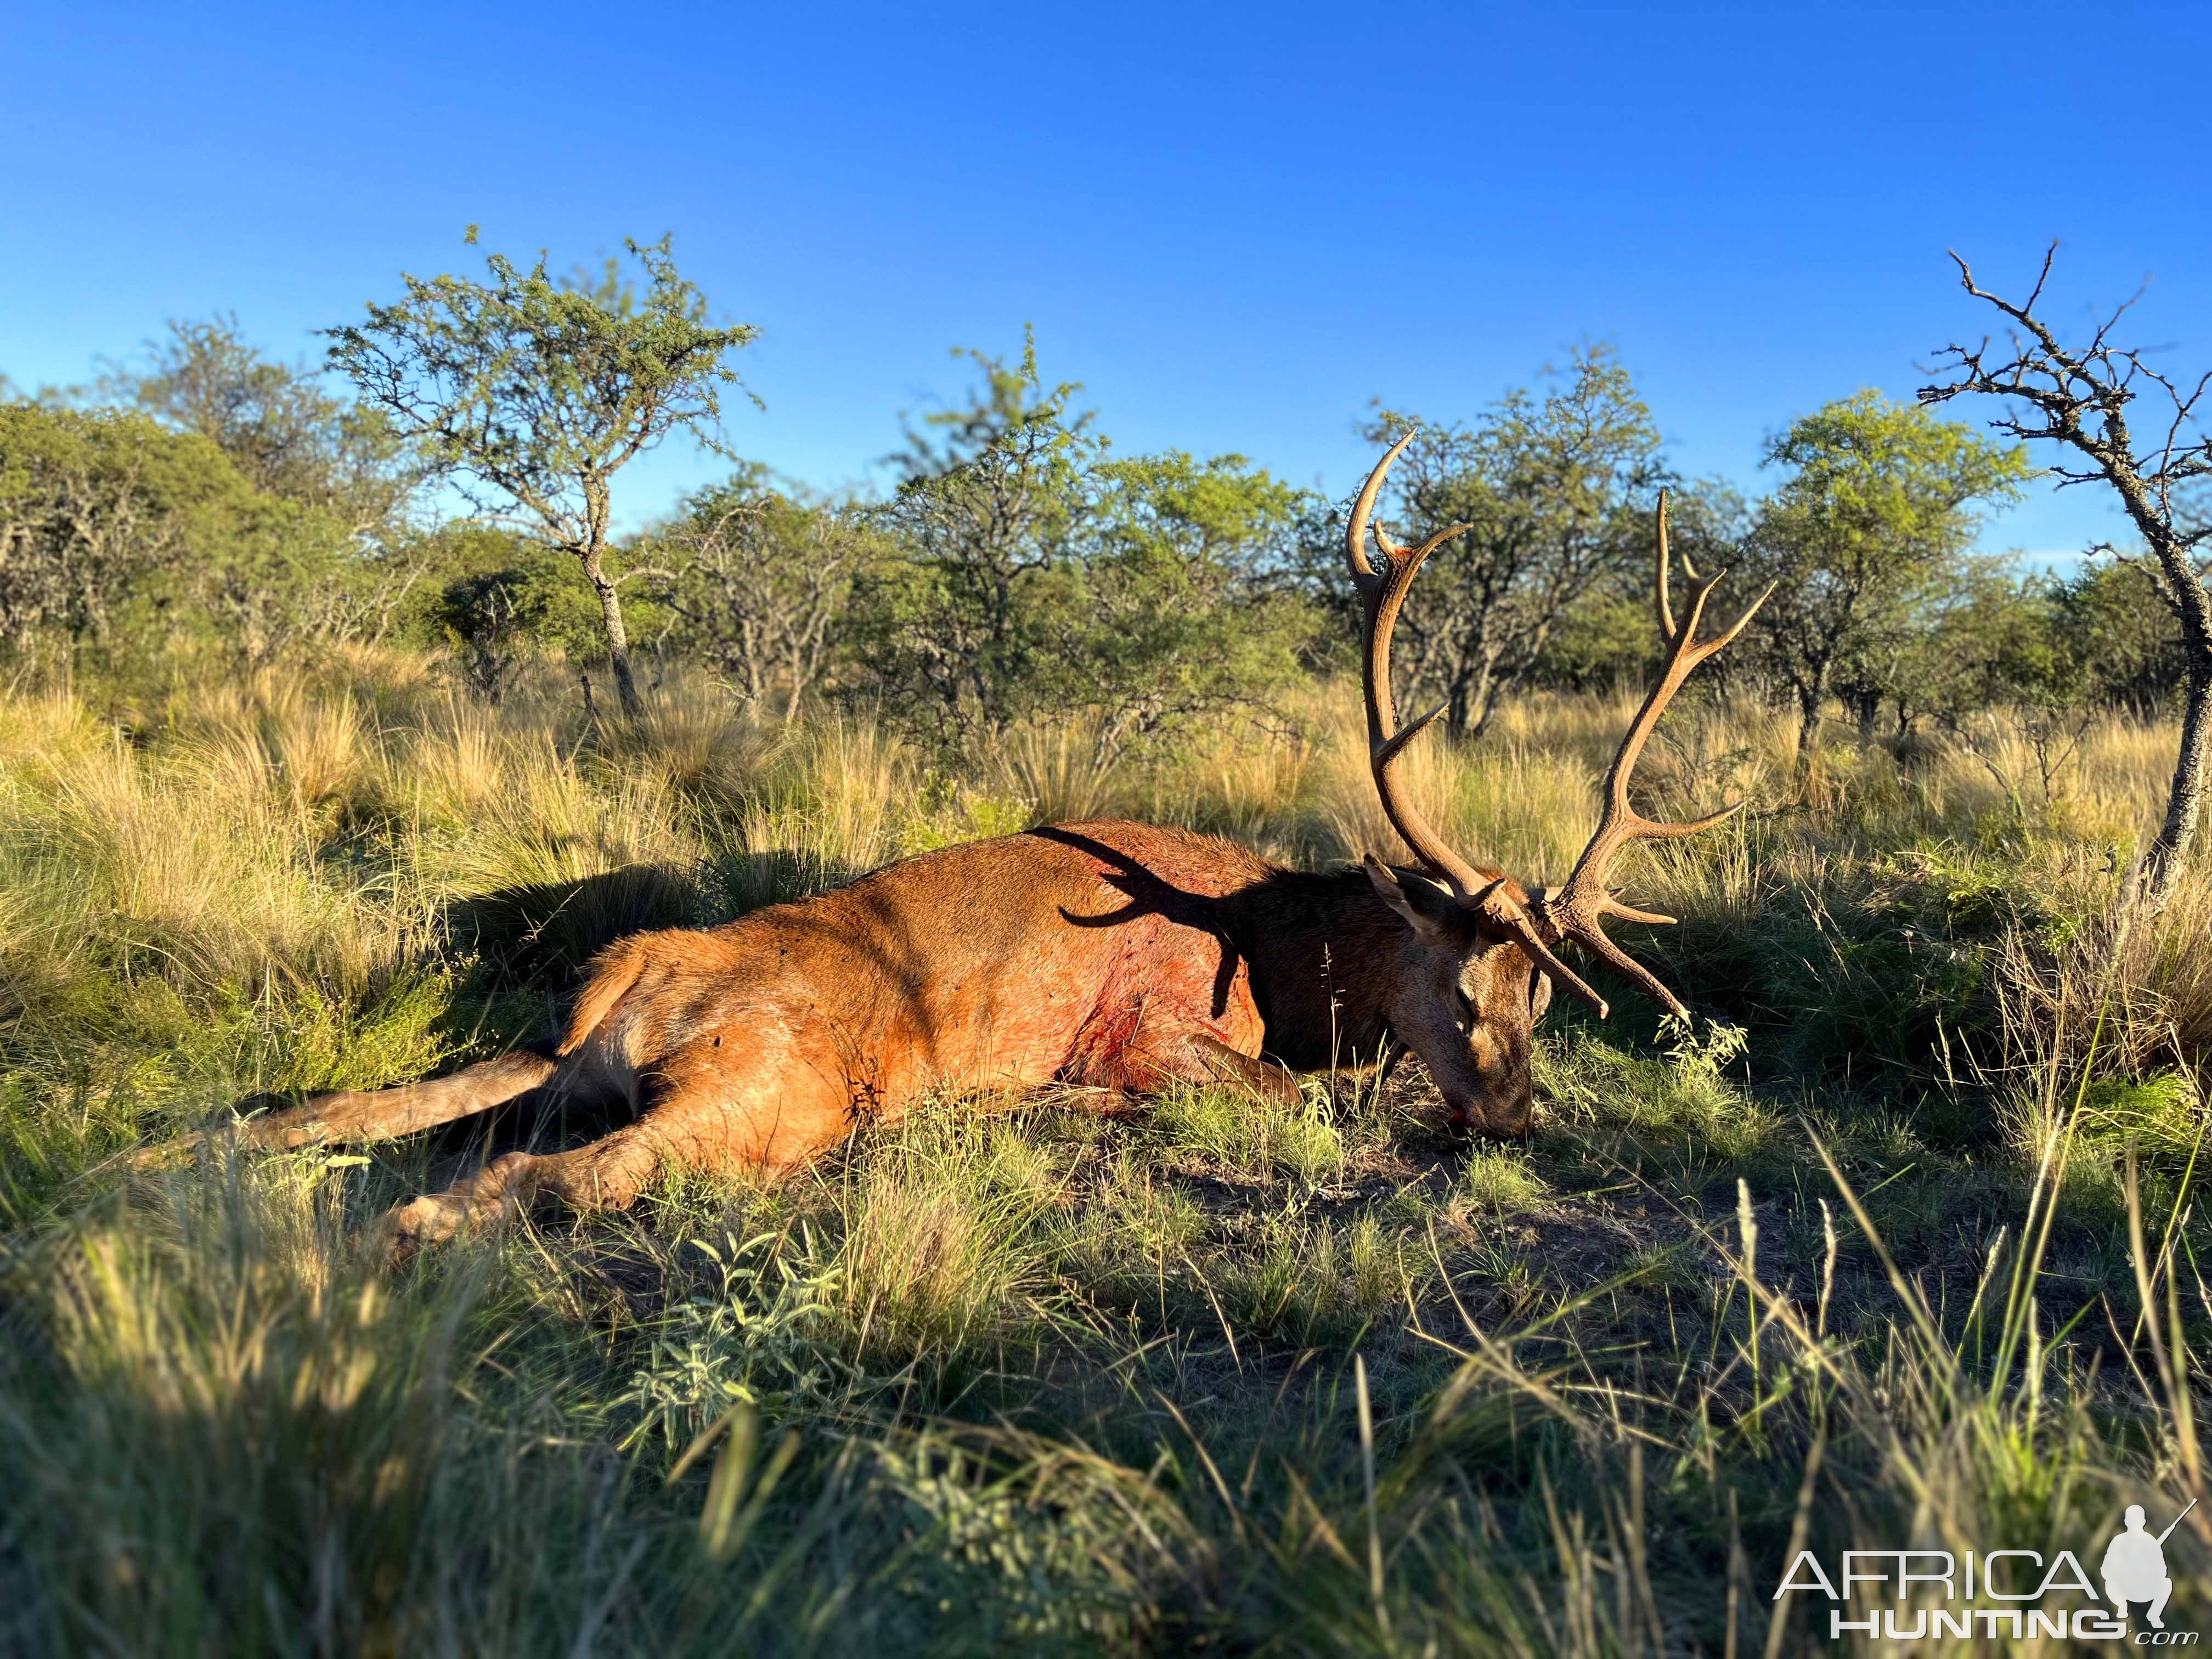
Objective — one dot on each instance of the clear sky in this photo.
(1235, 225)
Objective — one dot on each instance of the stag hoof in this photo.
(466, 1207)
(168, 1152)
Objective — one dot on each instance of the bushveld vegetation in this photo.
(1898, 1247)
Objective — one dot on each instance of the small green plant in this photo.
(754, 1334)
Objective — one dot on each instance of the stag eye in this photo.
(1466, 1007)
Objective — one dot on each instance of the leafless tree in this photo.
(759, 581)
(2078, 397)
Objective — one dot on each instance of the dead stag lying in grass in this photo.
(1118, 957)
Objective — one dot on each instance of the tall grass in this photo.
(1901, 1252)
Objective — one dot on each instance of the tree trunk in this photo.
(1869, 713)
(2192, 604)
(2185, 801)
(1808, 721)
(1456, 709)
(617, 635)
(1473, 698)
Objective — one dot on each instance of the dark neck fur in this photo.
(1315, 940)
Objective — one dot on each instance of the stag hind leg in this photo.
(706, 1110)
(359, 1116)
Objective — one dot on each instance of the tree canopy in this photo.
(116, 531)
(531, 392)
(1870, 531)
(287, 434)
(1042, 575)
(1551, 486)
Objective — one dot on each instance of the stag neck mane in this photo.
(1323, 949)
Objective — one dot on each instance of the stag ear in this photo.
(1427, 906)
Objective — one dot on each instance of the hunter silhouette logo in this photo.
(2135, 1566)
(2031, 1594)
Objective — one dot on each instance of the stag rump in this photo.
(1116, 958)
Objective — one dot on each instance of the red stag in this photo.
(1118, 957)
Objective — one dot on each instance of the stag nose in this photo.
(1507, 1120)
(1503, 1108)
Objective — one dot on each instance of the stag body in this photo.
(1116, 957)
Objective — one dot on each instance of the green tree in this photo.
(532, 393)
(1034, 575)
(1553, 489)
(280, 428)
(340, 465)
(2001, 644)
(103, 523)
(988, 517)
(2131, 641)
(114, 529)
(503, 595)
(1604, 640)
(1169, 620)
(1865, 538)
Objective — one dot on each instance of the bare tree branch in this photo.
(2078, 397)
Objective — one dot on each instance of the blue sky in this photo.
(1236, 225)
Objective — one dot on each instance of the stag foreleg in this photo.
(1204, 1059)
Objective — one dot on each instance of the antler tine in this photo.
(1384, 592)
(1742, 622)
(1635, 972)
(1363, 574)
(1577, 910)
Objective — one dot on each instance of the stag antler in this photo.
(1576, 911)
(1383, 593)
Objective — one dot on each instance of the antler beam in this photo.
(1576, 911)
(1383, 591)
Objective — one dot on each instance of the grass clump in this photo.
(1499, 1181)
(1251, 1137)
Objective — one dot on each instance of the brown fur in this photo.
(1116, 958)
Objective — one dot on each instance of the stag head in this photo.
(1480, 960)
